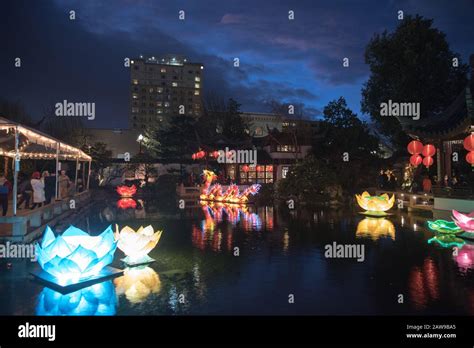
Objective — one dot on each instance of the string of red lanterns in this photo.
(201, 154)
(469, 146)
(415, 148)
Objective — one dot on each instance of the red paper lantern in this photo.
(270, 168)
(202, 154)
(216, 154)
(415, 147)
(428, 161)
(429, 150)
(259, 168)
(193, 156)
(415, 160)
(469, 142)
(470, 157)
(245, 168)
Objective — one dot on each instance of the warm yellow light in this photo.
(375, 228)
(375, 204)
(137, 244)
(137, 284)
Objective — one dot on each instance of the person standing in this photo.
(49, 186)
(426, 184)
(38, 190)
(24, 189)
(5, 189)
(64, 183)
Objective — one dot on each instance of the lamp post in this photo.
(140, 140)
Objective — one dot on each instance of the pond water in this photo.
(237, 261)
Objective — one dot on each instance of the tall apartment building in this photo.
(162, 88)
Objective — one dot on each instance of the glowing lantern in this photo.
(193, 156)
(465, 257)
(98, 299)
(428, 150)
(75, 255)
(245, 168)
(469, 142)
(375, 228)
(259, 168)
(463, 221)
(126, 191)
(375, 205)
(415, 147)
(428, 161)
(443, 226)
(216, 154)
(415, 160)
(126, 203)
(138, 283)
(270, 168)
(470, 157)
(137, 245)
(201, 154)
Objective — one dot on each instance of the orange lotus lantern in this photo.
(126, 203)
(375, 205)
(126, 191)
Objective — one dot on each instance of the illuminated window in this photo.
(159, 104)
(284, 172)
(159, 111)
(196, 92)
(135, 95)
(163, 70)
(135, 81)
(175, 84)
(159, 90)
(286, 148)
(167, 104)
(256, 174)
(135, 110)
(150, 90)
(258, 131)
(197, 85)
(197, 79)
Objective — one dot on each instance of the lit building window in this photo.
(150, 90)
(135, 81)
(159, 104)
(135, 110)
(256, 174)
(134, 95)
(175, 84)
(160, 90)
(159, 111)
(286, 148)
(197, 79)
(284, 172)
(197, 85)
(167, 104)
(163, 70)
(196, 92)
(258, 131)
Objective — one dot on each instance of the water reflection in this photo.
(138, 283)
(424, 284)
(375, 228)
(465, 257)
(126, 203)
(97, 299)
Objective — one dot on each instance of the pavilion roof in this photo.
(35, 144)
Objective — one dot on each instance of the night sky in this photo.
(296, 61)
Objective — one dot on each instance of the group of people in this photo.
(41, 186)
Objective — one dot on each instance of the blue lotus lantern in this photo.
(98, 299)
(75, 256)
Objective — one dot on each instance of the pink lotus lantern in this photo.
(126, 191)
(463, 221)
